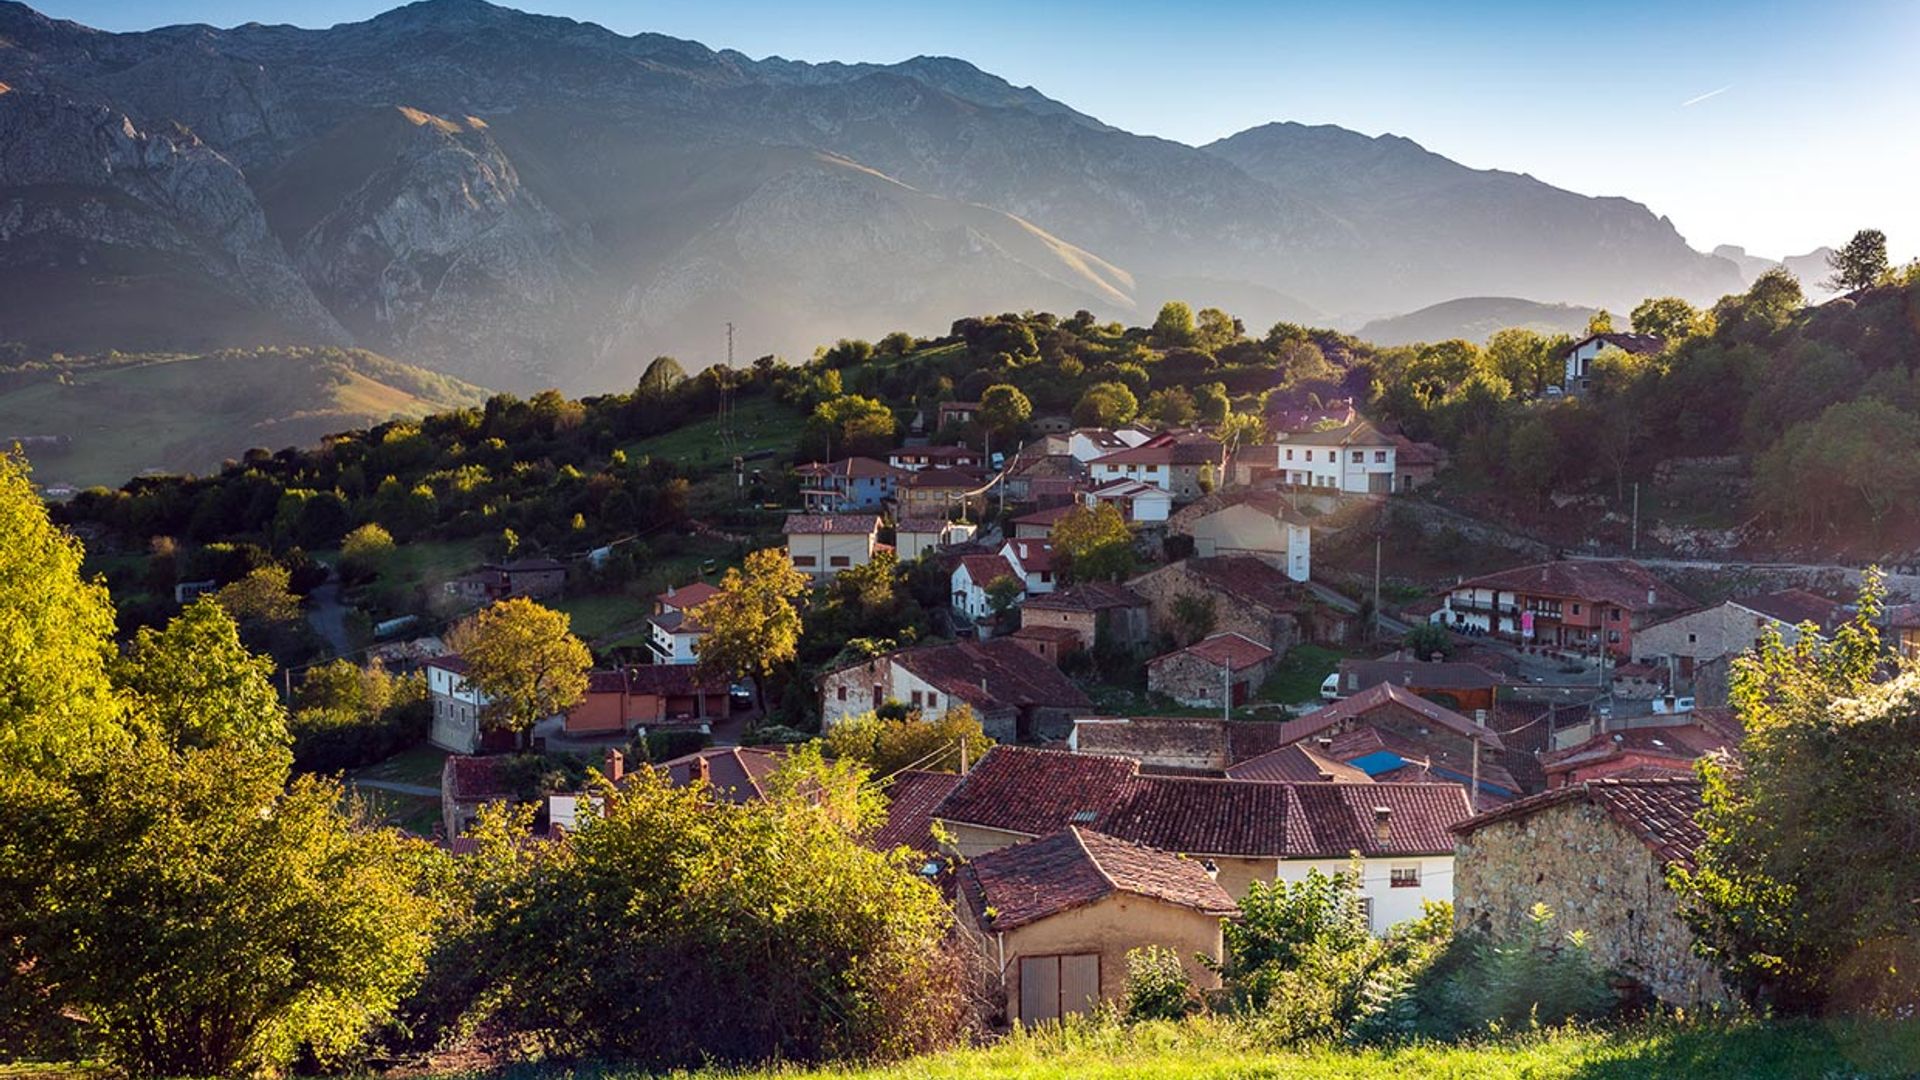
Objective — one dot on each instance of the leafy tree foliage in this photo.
(850, 426)
(1106, 404)
(197, 685)
(1803, 890)
(1094, 544)
(262, 597)
(56, 704)
(1860, 264)
(1600, 322)
(887, 744)
(1004, 410)
(524, 658)
(753, 626)
(1157, 985)
(1670, 317)
(1174, 326)
(676, 930)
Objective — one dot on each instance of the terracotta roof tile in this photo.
(737, 774)
(1629, 343)
(830, 524)
(1234, 650)
(669, 679)
(1243, 578)
(687, 597)
(985, 569)
(1903, 617)
(1087, 596)
(911, 797)
(1024, 883)
(990, 674)
(1794, 606)
(471, 779)
(1379, 696)
(1047, 633)
(1659, 811)
(1298, 764)
(1683, 742)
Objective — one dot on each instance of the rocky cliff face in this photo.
(527, 200)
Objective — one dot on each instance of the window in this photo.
(1289, 455)
(1404, 877)
(916, 699)
(1380, 456)
(803, 560)
(1046, 575)
(1613, 636)
(840, 560)
(1613, 614)
(1309, 455)
(1055, 986)
(842, 693)
(933, 700)
(1359, 455)
(1366, 910)
(1576, 609)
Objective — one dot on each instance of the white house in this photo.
(1260, 525)
(1185, 467)
(1032, 562)
(1086, 444)
(456, 706)
(970, 581)
(822, 545)
(1354, 459)
(1136, 501)
(1579, 357)
(672, 631)
(917, 536)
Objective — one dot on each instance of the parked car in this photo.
(740, 696)
(1672, 706)
(1330, 687)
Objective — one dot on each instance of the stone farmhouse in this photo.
(1090, 609)
(1212, 671)
(1597, 853)
(1696, 649)
(1015, 694)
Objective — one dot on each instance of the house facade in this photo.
(1032, 562)
(1596, 853)
(1091, 609)
(1185, 467)
(914, 537)
(1355, 458)
(1261, 526)
(1903, 630)
(1137, 501)
(672, 633)
(1695, 648)
(822, 545)
(1246, 596)
(1014, 693)
(916, 458)
(970, 580)
(456, 706)
(646, 696)
(1577, 361)
(839, 487)
(1209, 673)
(1584, 605)
(1055, 917)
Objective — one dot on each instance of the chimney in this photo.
(1325, 741)
(1382, 818)
(1480, 717)
(1651, 596)
(616, 765)
(1212, 868)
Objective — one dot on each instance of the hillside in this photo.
(127, 415)
(1475, 318)
(525, 201)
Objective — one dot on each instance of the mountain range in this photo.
(523, 200)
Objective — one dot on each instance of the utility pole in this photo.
(963, 755)
(1377, 538)
(1226, 691)
(1636, 518)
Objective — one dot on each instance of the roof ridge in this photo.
(1093, 859)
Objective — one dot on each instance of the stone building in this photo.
(1247, 596)
(1091, 609)
(1596, 853)
(1012, 692)
(1695, 649)
(1204, 673)
(1054, 919)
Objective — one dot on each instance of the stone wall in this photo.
(1278, 631)
(1597, 877)
(1197, 682)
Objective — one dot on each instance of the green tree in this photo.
(661, 377)
(1215, 330)
(194, 685)
(853, 425)
(1105, 404)
(524, 658)
(753, 625)
(1003, 593)
(676, 930)
(57, 706)
(1803, 888)
(1600, 322)
(1174, 326)
(365, 552)
(1094, 544)
(261, 598)
(1670, 317)
(1860, 264)
(886, 745)
(1004, 410)
(1428, 640)
(1528, 361)
(1171, 407)
(1213, 403)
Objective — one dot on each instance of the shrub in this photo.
(1535, 979)
(1157, 985)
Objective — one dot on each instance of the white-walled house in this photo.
(917, 536)
(1579, 357)
(673, 633)
(1262, 525)
(1032, 562)
(1180, 466)
(970, 581)
(1086, 444)
(1354, 459)
(822, 545)
(456, 706)
(1136, 501)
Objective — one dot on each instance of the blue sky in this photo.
(1778, 126)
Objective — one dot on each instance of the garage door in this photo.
(1056, 986)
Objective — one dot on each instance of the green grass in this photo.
(417, 814)
(418, 765)
(1206, 1051)
(1298, 675)
(188, 413)
(432, 561)
(598, 614)
(759, 423)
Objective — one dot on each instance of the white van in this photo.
(1330, 688)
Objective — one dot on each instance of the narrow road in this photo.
(397, 787)
(1335, 598)
(328, 616)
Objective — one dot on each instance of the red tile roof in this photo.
(448, 662)
(1087, 596)
(1189, 451)
(849, 469)
(1358, 431)
(1243, 579)
(1059, 634)
(985, 569)
(1036, 556)
(830, 524)
(1034, 792)
(1903, 617)
(735, 773)
(1070, 869)
(1297, 764)
(1046, 517)
(1380, 696)
(673, 680)
(939, 478)
(1659, 811)
(1623, 583)
(911, 797)
(687, 597)
(993, 674)
(1794, 606)
(476, 779)
(1237, 651)
(1683, 742)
